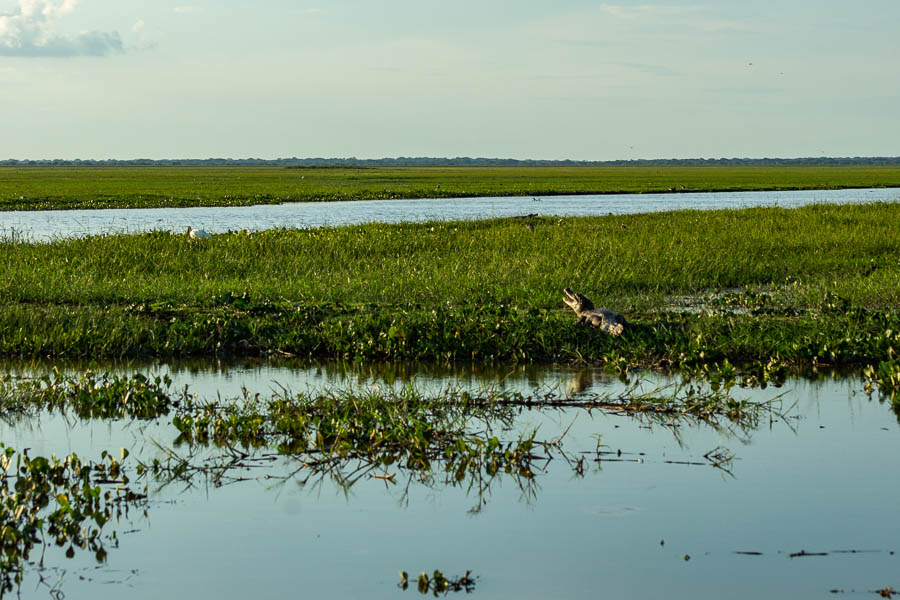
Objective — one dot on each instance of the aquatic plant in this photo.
(87, 396)
(63, 502)
(351, 435)
(438, 583)
(885, 378)
(452, 438)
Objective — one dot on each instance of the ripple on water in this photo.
(46, 225)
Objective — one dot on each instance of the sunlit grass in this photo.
(485, 290)
(635, 260)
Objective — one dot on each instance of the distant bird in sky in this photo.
(195, 234)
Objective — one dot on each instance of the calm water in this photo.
(824, 480)
(44, 225)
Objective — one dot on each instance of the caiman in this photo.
(607, 320)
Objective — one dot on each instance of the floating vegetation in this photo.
(63, 502)
(438, 583)
(350, 435)
(885, 378)
(453, 438)
(676, 405)
(88, 396)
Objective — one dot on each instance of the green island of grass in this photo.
(818, 285)
(55, 188)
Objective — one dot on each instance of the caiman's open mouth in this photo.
(607, 320)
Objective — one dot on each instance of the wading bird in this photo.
(195, 234)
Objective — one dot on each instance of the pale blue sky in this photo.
(522, 79)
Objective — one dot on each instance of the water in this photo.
(45, 225)
(822, 480)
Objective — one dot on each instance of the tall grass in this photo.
(631, 260)
(483, 290)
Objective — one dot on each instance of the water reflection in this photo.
(227, 377)
(605, 490)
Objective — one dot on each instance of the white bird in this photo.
(195, 234)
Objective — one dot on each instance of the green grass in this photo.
(819, 283)
(45, 188)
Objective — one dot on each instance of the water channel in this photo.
(45, 225)
(806, 508)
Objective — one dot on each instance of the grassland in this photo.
(815, 285)
(45, 188)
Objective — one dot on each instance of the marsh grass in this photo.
(49, 188)
(818, 283)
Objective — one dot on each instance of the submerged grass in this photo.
(49, 188)
(814, 285)
(88, 396)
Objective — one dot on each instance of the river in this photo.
(46, 225)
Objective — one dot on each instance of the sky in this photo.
(569, 79)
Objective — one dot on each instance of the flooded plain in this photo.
(800, 502)
(46, 225)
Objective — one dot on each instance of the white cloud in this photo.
(28, 30)
(138, 27)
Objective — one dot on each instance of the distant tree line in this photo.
(462, 161)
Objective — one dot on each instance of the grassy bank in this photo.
(45, 188)
(816, 284)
